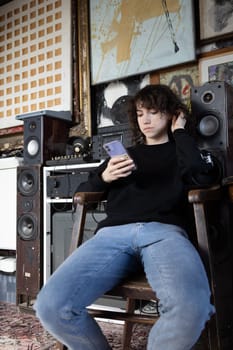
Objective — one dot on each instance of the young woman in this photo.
(145, 226)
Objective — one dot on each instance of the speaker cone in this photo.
(27, 205)
(33, 147)
(27, 227)
(27, 182)
(208, 125)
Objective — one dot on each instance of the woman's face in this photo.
(153, 124)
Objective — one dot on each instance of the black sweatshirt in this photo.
(157, 189)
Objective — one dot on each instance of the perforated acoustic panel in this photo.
(35, 58)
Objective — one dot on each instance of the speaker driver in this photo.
(27, 205)
(32, 125)
(27, 182)
(208, 125)
(208, 97)
(27, 227)
(33, 147)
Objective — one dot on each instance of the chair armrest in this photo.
(228, 183)
(205, 194)
(197, 195)
(84, 198)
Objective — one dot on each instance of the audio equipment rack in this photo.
(58, 199)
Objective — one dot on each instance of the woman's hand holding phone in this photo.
(118, 167)
(120, 164)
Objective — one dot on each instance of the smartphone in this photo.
(115, 148)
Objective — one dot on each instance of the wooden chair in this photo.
(138, 288)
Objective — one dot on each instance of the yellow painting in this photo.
(130, 37)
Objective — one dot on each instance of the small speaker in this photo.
(44, 138)
(29, 267)
(212, 110)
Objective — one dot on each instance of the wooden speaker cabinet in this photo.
(29, 262)
(212, 110)
(44, 137)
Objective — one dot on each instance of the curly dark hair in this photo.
(159, 97)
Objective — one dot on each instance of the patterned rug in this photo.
(23, 331)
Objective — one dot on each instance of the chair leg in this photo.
(213, 340)
(128, 326)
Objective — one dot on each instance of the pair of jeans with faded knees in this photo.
(172, 266)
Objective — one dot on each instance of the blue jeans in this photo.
(173, 269)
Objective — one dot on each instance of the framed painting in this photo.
(129, 39)
(111, 99)
(216, 20)
(217, 67)
(181, 81)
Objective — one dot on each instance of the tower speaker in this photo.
(212, 110)
(44, 137)
(29, 232)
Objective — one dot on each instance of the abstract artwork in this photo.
(111, 99)
(218, 67)
(181, 81)
(130, 37)
(216, 19)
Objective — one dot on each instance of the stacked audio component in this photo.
(60, 183)
(45, 135)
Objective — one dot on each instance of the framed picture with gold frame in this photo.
(216, 67)
(128, 39)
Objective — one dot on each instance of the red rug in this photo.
(23, 331)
